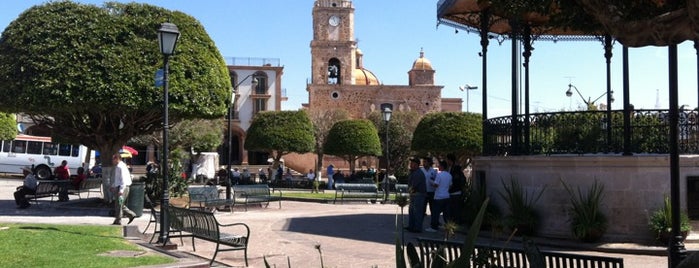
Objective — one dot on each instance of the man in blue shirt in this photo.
(418, 190)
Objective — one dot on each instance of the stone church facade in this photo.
(339, 79)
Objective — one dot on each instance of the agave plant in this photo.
(587, 221)
(522, 215)
(661, 222)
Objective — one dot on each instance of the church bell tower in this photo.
(333, 46)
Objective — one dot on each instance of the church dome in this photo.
(422, 63)
(364, 77)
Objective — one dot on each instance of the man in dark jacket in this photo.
(418, 191)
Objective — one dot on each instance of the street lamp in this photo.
(386, 118)
(231, 111)
(167, 37)
(466, 88)
(588, 103)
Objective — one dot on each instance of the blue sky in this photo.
(391, 34)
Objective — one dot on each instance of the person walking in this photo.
(330, 172)
(418, 191)
(120, 188)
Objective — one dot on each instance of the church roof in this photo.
(365, 77)
(422, 63)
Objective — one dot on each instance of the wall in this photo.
(634, 187)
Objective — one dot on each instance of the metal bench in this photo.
(203, 225)
(45, 188)
(256, 194)
(207, 197)
(357, 191)
(512, 257)
(87, 186)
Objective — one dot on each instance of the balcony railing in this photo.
(586, 132)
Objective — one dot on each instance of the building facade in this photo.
(250, 99)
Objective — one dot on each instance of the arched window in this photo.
(334, 72)
(234, 77)
(262, 83)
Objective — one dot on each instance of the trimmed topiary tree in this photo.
(352, 139)
(458, 133)
(280, 132)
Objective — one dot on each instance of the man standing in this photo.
(418, 191)
(29, 187)
(120, 188)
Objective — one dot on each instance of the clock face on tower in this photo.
(334, 20)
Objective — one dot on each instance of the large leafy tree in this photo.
(86, 72)
(280, 132)
(400, 135)
(439, 134)
(352, 139)
(8, 126)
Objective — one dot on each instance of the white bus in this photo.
(42, 153)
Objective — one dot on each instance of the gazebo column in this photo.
(485, 19)
(516, 130)
(608, 58)
(696, 47)
(527, 40)
(627, 100)
(677, 251)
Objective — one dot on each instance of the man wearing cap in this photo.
(29, 187)
(418, 190)
(120, 188)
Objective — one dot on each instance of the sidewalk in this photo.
(350, 235)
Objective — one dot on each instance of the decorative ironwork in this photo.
(585, 132)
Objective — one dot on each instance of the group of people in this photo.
(119, 188)
(439, 189)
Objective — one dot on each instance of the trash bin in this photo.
(136, 196)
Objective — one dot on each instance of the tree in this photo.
(280, 132)
(400, 134)
(86, 72)
(322, 122)
(439, 134)
(352, 139)
(8, 126)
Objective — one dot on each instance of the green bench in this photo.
(207, 198)
(256, 194)
(87, 186)
(203, 225)
(512, 257)
(357, 191)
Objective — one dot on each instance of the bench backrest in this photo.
(91, 184)
(514, 257)
(204, 193)
(252, 189)
(402, 188)
(201, 223)
(356, 187)
(46, 187)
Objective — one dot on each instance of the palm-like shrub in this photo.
(522, 216)
(587, 221)
(661, 222)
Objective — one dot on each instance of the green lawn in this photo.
(44, 245)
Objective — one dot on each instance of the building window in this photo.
(260, 105)
(261, 88)
(334, 72)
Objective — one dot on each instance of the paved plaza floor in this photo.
(349, 235)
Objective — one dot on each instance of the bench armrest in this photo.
(247, 228)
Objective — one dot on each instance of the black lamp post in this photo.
(231, 111)
(588, 103)
(167, 37)
(386, 118)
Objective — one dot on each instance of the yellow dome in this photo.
(422, 63)
(364, 77)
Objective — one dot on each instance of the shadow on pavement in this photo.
(378, 228)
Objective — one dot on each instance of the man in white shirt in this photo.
(441, 196)
(120, 188)
(28, 187)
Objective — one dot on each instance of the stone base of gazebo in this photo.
(634, 187)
